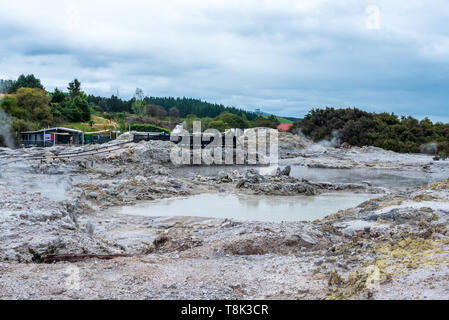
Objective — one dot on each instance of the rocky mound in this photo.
(32, 227)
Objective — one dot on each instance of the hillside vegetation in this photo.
(29, 106)
(96, 124)
(387, 131)
(184, 106)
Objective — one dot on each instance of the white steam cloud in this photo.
(331, 143)
(5, 131)
(429, 148)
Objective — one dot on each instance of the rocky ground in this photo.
(391, 247)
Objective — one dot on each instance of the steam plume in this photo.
(5, 131)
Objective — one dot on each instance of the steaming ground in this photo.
(5, 130)
(392, 247)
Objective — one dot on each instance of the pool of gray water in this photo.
(248, 207)
(376, 177)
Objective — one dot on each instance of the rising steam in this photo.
(331, 143)
(6, 139)
(429, 148)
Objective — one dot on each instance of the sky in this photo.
(284, 57)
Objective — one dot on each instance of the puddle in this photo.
(248, 207)
(376, 177)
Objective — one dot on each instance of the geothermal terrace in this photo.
(122, 222)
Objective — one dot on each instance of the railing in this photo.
(39, 143)
(151, 136)
(166, 137)
(95, 139)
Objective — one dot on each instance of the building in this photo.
(284, 126)
(52, 136)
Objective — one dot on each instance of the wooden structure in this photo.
(52, 136)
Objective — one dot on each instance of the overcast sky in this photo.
(284, 57)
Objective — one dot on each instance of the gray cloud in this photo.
(284, 57)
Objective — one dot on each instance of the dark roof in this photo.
(54, 129)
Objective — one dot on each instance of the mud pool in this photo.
(385, 178)
(375, 177)
(249, 207)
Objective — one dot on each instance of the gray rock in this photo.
(284, 172)
(92, 195)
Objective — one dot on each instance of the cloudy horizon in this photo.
(284, 57)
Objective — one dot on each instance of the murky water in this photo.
(376, 177)
(278, 208)
(248, 207)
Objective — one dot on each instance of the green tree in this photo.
(29, 81)
(36, 103)
(57, 96)
(5, 85)
(218, 124)
(138, 107)
(76, 109)
(270, 122)
(81, 104)
(71, 112)
(174, 113)
(74, 88)
(233, 120)
(11, 107)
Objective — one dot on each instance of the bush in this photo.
(218, 125)
(35, 103)
(148, 128)
(9, 104)
(233, 120)
(271, 122)
(384, 130)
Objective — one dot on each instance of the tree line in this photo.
(31, 107)
(384, 130)
(184, 106)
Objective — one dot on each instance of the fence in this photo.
(166, 137)
(96, 139)
(40, 143)
(87, 140)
